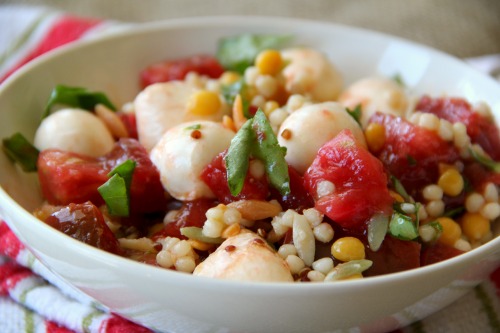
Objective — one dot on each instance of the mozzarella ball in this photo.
(309, 72)
(75, 130)
(245, 257)
(164, 105)
(310, 127)
(184, 151)
(375, 94)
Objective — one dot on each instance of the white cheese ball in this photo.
(375, 94)
(184, 151)
(309, 72)
(307, 129)
(162, 106)
(245, 257)
(74, 130)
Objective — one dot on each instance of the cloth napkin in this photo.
(32, 299)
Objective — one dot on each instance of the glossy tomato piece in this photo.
(85, 223)
(481, 129)
(438, 252)
(394, 255)
(130, 122)
(215, 176)
(67, 177)
(299, 198)
(412, 153)
(191, 214)
(170, 70)
(359, 180)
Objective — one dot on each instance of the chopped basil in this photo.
(403, 227)
(230, 91)
(116, 191)
(454, 212)
(256, 139)
(355, 113)
(399, 80)
(21, 151)
(485, 160)
(377, 229)
(197, 234)
(345, 270)
(398, 186)
(194, 127)
(239, 52)
(76, 97)
(411, 160)
(437, 227)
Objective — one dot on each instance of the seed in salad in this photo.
(475, 226)
(347, 249)
(295, 263)
(491, 210)
(375, 136)
(323, 232)
(204, 103)
(432, 192)
(490, 192)
(451, 231)
(474, 202)
(323, 265)
(452, 182)
(269, 62)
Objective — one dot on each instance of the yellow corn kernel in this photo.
(451, 182)
(347, 249)
(199, 245)
(229, 77)
(228, 123)
(269, 62)
(451, 231)
(353, 277)
(475, 226)
(204, 103)
(375, 136)
(230, 231)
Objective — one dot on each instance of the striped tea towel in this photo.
(32, 299)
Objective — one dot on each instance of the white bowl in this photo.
(170, 301)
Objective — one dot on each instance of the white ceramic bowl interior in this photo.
(174, 302)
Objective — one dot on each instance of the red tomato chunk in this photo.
(358, 178)
(67, 177)
(171, 70)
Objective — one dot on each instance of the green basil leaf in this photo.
(197, 234)
(271, 153)
(76, 97)
(400, 189)
(355, 113)
(399, 80)
(402, 226)
(485, 160)
(239, 52)
(116, 191)
(21, 151)
(237, 157)
(230, 91)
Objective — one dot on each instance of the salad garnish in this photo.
(116, 191)
(76, 97)
(20, 150)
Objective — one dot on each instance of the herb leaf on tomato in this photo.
(116, 191)
(21, 151)
(76, 97)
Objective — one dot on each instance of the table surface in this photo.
(465, 28)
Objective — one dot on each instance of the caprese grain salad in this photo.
(262, 165)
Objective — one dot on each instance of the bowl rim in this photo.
(493, 246)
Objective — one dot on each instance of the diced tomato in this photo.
(130, 122)
(191, 214)
(394, 255)
(214, 175)
(412, 153)
(170, 70)
(299, 198)
(85, 223)
(438, 252)
(358, 178)
(67, 177)
(478, 176)
(481, 130)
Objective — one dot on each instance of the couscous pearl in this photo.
(427, 233)
(286, 250)
(257, 168)
(232, 216)
(491, 210)
(315, 276)
(490, 193)
(445, 130)
(251, 75)
(408, 208)
(460, 137)
(415, 118)
(462, 245)
(323, 232)
(474, 202)
(295, 102)
(323, 265)
(165, 259)
(294, 263)
(324, 188)
(181, 249)
(213, 228)
(483, 109)
(185, 264)
(429, 121)
(435, 208)
(277, 117)
(432, 192)
(215, 213)
(313, 216)
(258, 101)
(266, 85)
